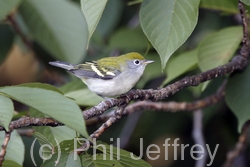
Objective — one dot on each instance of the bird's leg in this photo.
(109, 100)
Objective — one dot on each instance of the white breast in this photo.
(113, 87)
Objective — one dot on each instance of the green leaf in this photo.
(20, 115)
(78, 91)
(225, 5)
(56, 160)
(50, 103)
(15, 148)
(218, 48)
(167, 24)
(6, 111)
(99, 161)
(62, 133)
(126, 158)
(42, 86)
(9, 163)
(92, 10)
(76, 84)
(87, 161)
(53, 135)
(63, 160)
(67, 146)
(128, 40)
(6, 40)
(205, 85)
(73, 160)
(110, 18)
(58, 26)
(180, 64)
(247, 2)
(230, 6)
(237, 96)
(44, 141)
(6, 6)
(84, 97)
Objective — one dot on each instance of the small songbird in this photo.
(111, 76)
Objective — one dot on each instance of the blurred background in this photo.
(25, 59)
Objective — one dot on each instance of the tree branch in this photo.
(239, 62)
(4, 147)
(239, 147)
(245, 40)
(165, 106)
(27, 121)
(176, 106)
(158, 106)
(117, 114)
(114, 118)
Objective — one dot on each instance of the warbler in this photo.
(111, 76)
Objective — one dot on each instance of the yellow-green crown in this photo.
(117, 62)
(133, 55)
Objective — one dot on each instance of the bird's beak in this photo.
(148, 61)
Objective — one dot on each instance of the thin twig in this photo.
(114, 118)
(239, 147)
(18, 30)
(198, 137)
(27, 121)
(245, 39)
(177, 106)
(99, 119)
(117, 114)
(4, 147)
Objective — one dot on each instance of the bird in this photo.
(110, 76)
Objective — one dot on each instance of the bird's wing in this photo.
(92, 70)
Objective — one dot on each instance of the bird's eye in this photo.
(136, 62)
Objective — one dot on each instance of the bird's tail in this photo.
(64, 65)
